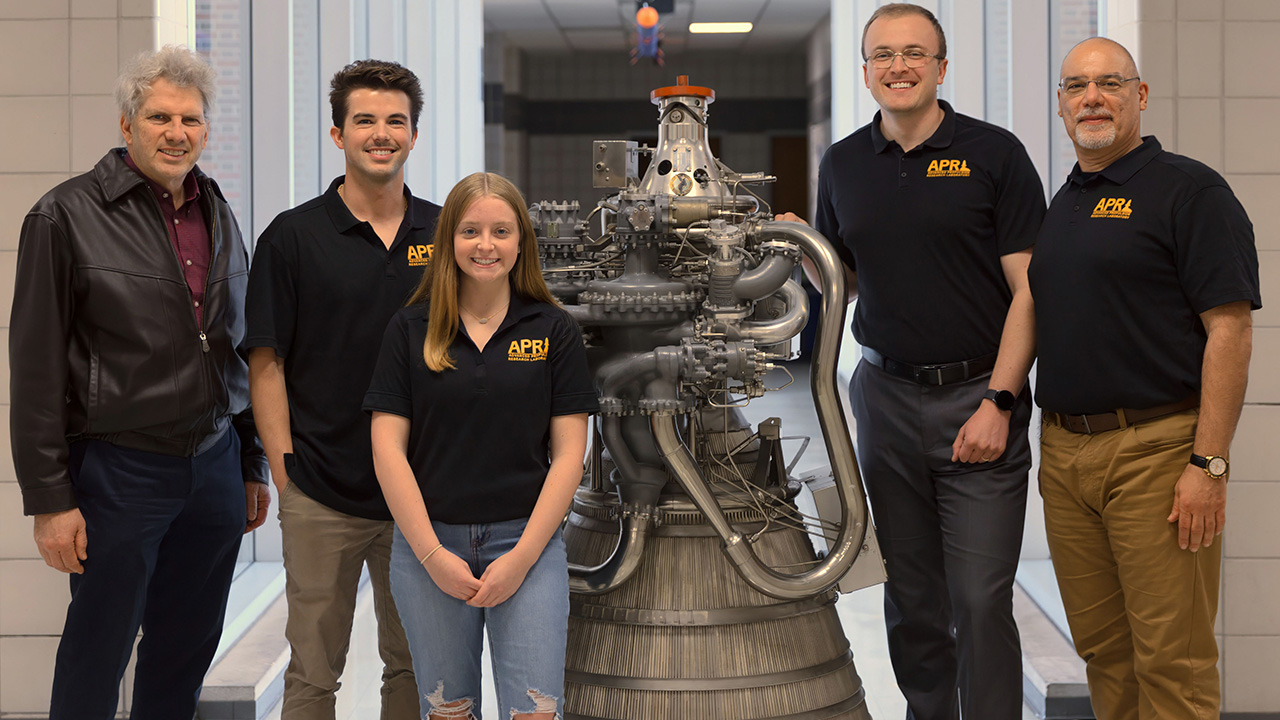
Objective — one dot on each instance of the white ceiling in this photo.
(568, 26)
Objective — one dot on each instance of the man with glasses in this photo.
(1144, 279)
(934, 214)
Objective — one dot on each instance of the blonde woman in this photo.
(480, 401)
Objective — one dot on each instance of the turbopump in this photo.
(696, 589)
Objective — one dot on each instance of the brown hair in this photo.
(893, 10)
(439, 284)
(374, 75)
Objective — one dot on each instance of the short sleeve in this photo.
(572, 391)
(1217, 258)
(271, 302)
(824, 219)
(390, 389)
(1020, 208)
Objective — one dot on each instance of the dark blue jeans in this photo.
(163, 534)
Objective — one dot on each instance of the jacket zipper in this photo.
(204, 340)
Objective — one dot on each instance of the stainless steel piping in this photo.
(835, 431)
(622, 563)
(768, 332)
(764, 279)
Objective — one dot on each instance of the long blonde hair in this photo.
(439, 285)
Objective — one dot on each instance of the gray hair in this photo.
(174, 63)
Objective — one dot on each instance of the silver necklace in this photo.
(483, 320)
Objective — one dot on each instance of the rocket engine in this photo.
(696, 592)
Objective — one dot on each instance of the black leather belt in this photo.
(932, 374)
(1116, 419)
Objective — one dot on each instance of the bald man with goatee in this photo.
(1144, 277)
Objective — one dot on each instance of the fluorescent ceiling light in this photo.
(720, 27)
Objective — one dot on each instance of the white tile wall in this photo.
(95, 129)
(93, 8)
(1264, 381)
(1200, 130)
(4, 366)
(1250, 146)
(1158, 119)
(17, 194)
(39, 48)
(1200, 73)
(1250, 664)
(1255, 454)
(1199, 9)
(8, 268)
(133, 35)
(26, 9)
(1158, 9)
(25, 679)
(41, 124)
(1157, 64)
(1250, 522)
(1248, 583)
(138, 8)
(91, 41)
(34, 596)
(6, 455)
(16, 542)
(1269, 272)
(1258, 194)
(1250, 45)
(1252, 10)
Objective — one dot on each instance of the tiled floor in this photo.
(861, 613)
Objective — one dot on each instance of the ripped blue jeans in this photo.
(527, 633)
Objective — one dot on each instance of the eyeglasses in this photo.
(882, 59)
(1107, 85)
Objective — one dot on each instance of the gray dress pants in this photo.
(951, 534)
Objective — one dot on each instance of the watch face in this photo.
(1217, 466)
(1005, 400)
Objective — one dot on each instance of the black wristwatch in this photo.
(1215, 466)
(1003, 399)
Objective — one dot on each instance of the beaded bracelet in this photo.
(427, 557)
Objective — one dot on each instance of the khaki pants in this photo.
(324, 551)
(1141, 609)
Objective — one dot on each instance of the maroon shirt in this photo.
(188, 232)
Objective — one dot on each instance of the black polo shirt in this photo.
(925, 231)
(322, 288)
(1127, 260)
(480, 434)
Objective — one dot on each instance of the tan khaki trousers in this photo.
(1141, 610)
(324, 551)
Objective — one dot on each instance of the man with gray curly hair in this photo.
(132, 437)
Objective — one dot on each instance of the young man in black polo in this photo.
(326, 278)
(934, 215)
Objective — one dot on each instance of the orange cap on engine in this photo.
(682, 87)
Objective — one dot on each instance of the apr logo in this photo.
(527, 350)
(1113, 208)
(420, 254)
(948, 168)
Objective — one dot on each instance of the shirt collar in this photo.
(518, 309)
(190, 188)
(941, 138)
(1126, 167)
(343, 220)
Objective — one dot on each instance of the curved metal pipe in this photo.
(835, 432)
(768, 332)
(764, 279)
(638, 495)
(633, 532)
